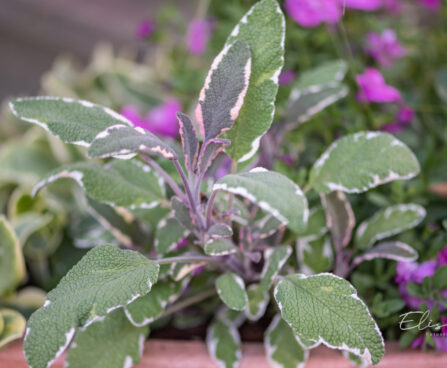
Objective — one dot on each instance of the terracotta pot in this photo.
(193, 354)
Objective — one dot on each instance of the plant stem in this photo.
(185, 259)
(164, 175)
(230, 199)
(188, 302)
(209, 208)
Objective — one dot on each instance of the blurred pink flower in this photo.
(442, 257)
(418, 342)
(199, 32)
(433, 5)
(367, 5)
(374, 89)
(145, 29)
(385, 48)
(393, 6)
(286, 77)
(403, 118)
(311, 13)
(161, 120)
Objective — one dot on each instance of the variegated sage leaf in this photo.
(266, 226)
(190, 142)
(224, 344)
(258, 299)
(282, 347)
(220, 247)
(105, 279)
(125, 183)
(12, 326)
(326, 75)
(149, 307)
(261, 187)
(124, 141)
(220, 231)
(307, 303)
(110, 343)
(355, 359)
(231, 290)
(209, 152)
(224, 91)
(387, 222)
(314, 256)
(395, 250)
(340, 218)
(316, 226)
(168, 234)
(255, 118)
(73, 121)
(361, 161)
(12, 264)
(182, 214)
(274, 260)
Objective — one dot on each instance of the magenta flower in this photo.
(385, 48)
(161, 120)
(374, 89)
(404, 117)
(418, 342)
(433, 5)
(311, 13)
(442, 257)
(199, 32)
(367, 5)
(286, 77)
(145, 29)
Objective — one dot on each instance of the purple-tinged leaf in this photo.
(224, 91)
(190, 143)
(182, 214)
(220, 231)
(122, 140)
(209, 152)
(391, 250)
(339, 218)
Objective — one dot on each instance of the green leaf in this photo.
(387, 222)
(28, 223)
(441, 84)
(182, 214)
(316, 226)
(148, 308)
(231, 290)
(126, 183)
(168, 234)
(73, 121)
(258, 299)
(220, 231)
(340, 218)
(224, 344)
(12, 265)
(190, 142)
(395, 250)
(362, 161)
(264, 18)
(125, 141)
(13, 324)
(209, 152)
(224, 91)
(282, 347)
(328, 74)
(440, 278)
(355, 359)
(261, 187)
(274, 260)
(220, 247)
(266, 226)
(325, 309)
(314, 256)
(111, 343)
(105, 279)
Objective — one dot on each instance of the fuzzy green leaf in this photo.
(261, 187)
(316, 226)
(220, 247)
(274, 260)
(362, 161)
(190, 142)
(73, 121)
(168, 234)
(258, 299)
(397, 251)
(105, 279)
(314, 256)
(325, 75)
(111, 343)
(231, 290)
(13, 326)
(264, 18)
(224, 344)
(325, 309)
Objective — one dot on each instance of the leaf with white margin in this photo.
(12, 264)
(220, 231)
(282, 347)
(261, 187)
(328, 74)
(73, 121)
(302, 106)
(231, 290)
(395, 250)
(220, 247)
(209, 152)
(235, 318)
(255, 118)
(105, 279)
(190, 142)
(168, 234)
(325, 308)
(258, 299)
(266, 227)
(274, 260)
(125, 183)
(223, 94)
(224, 344)
(111, 343)
(149, 307)
(125, 141)
(387, 222)
(355, 359)
(13, 326)
(314, 256)
(361, 161)
(182, 214)
(340, 218)
(316, 226)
